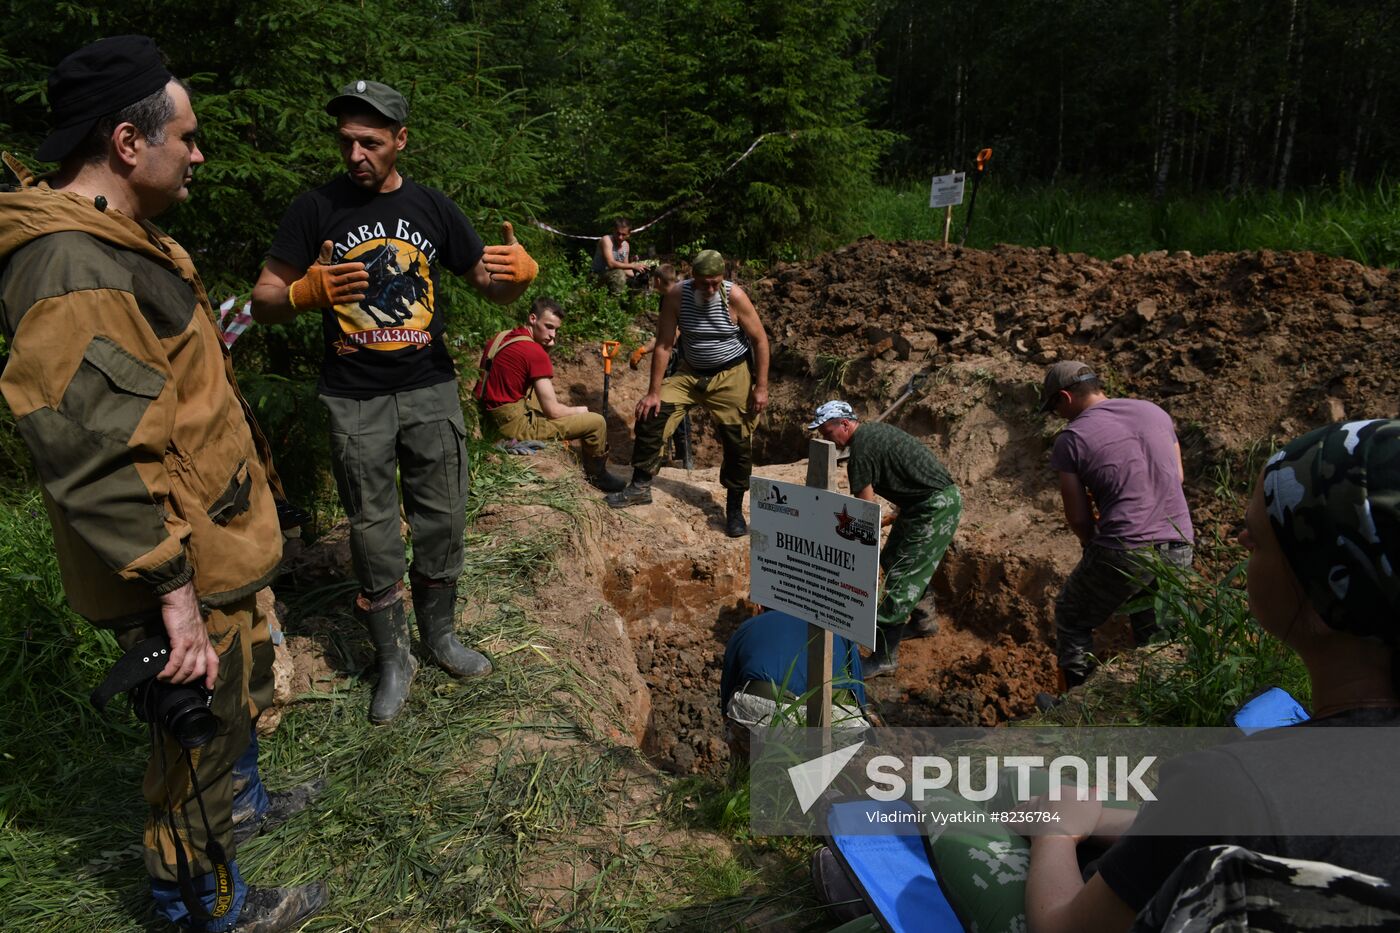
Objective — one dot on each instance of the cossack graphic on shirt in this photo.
(397, 309)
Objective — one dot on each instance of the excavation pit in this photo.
(681, 586)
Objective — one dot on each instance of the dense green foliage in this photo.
(1224, 657)
(653, 121)
(572, 111)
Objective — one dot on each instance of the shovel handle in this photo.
(609, 351)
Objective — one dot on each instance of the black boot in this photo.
(596, 469)
(734, 524)
(921, 624)
(273, 910)
(388, 629)
(637, 492)
(434, 608)
(885, 658)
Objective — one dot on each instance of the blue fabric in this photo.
(170, 906)
(890, 865)
(250, 799)
(1271, 709)
(772, 646)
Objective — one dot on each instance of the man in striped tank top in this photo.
(723, 367)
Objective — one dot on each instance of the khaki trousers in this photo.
(525, 421)
(725, 395)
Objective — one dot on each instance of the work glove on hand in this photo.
(635, 359)
(325, 285)
(510, 262)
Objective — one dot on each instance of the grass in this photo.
(490, 805)
(832, 371)
(1360, 223)
(1227, 657)
(1234, 476)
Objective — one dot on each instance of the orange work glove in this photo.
(510, 263)
(635, 359)
(325, 285)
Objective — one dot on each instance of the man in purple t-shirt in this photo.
(1118, 456)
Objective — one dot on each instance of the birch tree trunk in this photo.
(1168, 125)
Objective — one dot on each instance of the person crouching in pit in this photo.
(927, 506)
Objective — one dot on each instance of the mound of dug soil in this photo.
(1244, 344)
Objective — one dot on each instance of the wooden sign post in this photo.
(821, 474)
(947, 191)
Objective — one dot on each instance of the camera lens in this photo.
(184, 713)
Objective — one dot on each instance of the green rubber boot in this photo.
(434, 608)
(388, 629)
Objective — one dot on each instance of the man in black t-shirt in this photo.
(365, 251)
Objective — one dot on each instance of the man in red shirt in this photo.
(516, 389)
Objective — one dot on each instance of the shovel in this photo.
(915, 381)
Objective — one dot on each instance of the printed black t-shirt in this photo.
(393, 339)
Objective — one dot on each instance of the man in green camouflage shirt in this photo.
(927, 506)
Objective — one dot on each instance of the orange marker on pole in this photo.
(983, 158)
(609, 351)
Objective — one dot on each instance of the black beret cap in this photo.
(97, 80)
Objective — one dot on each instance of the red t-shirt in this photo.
(514, 369)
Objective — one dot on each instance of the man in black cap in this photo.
(1121, 475)
(156, 479)
(364, 251)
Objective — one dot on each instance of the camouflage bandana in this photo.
(1333, 498)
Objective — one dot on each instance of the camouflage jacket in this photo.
(152, 467)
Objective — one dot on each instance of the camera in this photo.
(181, 710)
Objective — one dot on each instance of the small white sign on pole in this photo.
(947, 190)
(815, 554)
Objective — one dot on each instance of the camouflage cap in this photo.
(1333, 499)
(708, 262)
(830, 411)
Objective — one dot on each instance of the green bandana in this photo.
(708, 262)
(1333, 498)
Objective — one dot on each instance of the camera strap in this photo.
(223, 873)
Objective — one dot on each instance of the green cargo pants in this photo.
(418, 435)
(240, 635)
(725, 395)
(913, 551)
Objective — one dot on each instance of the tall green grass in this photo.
(1222, 656)
(490, 805)
(1352, 221)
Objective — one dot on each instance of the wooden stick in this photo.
(821, 474)
(947, 223)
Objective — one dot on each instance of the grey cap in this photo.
(385, 101)
(1061, 376)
